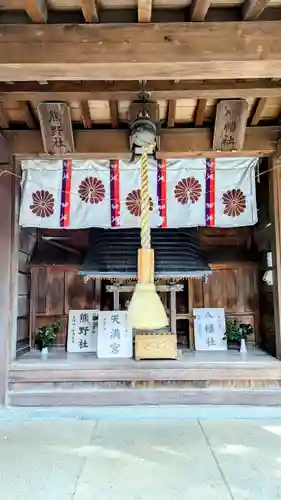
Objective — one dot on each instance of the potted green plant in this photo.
(46, 336)
(236, 334)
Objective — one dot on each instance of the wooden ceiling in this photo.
(136, 10)
(107, 105)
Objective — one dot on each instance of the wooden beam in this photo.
(85, 114)
(5, 153)
(199, 9)
(258, 110)
(172, 104)
(147, 51)
(199, 113)
(127, 90)
(26, 115)
(4, 119)
(278, 120)
(37, 10)
(61, 245)
(175, 143)
(90, 11)
(252, 9)
(144, 11)
(113, 106)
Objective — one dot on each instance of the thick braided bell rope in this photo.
(144, 219)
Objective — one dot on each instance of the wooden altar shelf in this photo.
(184, 316)
(171, 289)
(160, 288)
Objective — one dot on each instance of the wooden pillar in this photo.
(173, 309)
(116, 303)
(34, 276)
(6, 301)
(190, 310)
(14, 268)
(98, 293)
(275, 200)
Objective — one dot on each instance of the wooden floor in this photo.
(195, 378)
(217, 365)
(186, 356)
(187, 362)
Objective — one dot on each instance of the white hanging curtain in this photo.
(76, 194)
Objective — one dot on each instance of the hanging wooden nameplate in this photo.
(230, 125)
(56, 128)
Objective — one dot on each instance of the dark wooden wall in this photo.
(54, 292)
(263, 241)
(233, 285)
(26, 244)
(217, 238)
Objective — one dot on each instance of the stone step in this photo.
(146, 371)
(138, 396)
(78, 385)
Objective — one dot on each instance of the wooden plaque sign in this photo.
(56, 128)
(230, 125)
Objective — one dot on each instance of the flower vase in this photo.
(243, 348)
(44, 353)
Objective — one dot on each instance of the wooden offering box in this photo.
(155, 346)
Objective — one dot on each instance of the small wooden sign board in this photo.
(56, 128)
(115, 337)
(230, 125)
(82, 330)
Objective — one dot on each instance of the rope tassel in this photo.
(145, 297)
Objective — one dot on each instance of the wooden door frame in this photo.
(274, 168)
(6, 278)
(7, 271)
